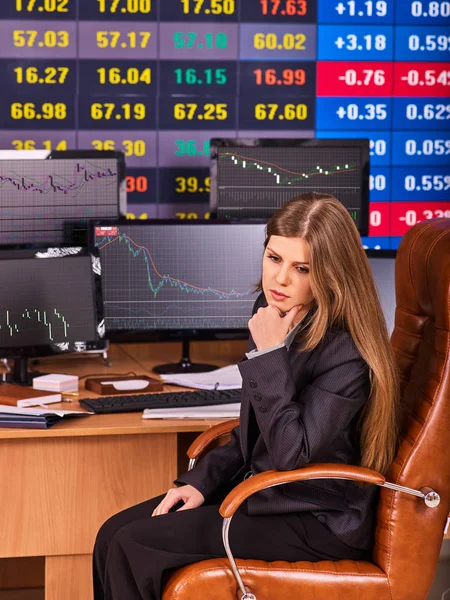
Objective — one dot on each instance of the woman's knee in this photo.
(112, 525)
(107, 531)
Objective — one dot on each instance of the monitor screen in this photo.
(50, 302)
(178, 280)
(382, 263)
(253, 177)
(51, 201)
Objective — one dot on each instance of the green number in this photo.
(179, 75)
(209, 77)
(189, 148)
(221, 40)
(190, 76)
(191, 38)
(221, 76)
(180, 148)
(187, 40)
(178, 39)
(209, 40)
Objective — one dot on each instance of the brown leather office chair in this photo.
(413, 508)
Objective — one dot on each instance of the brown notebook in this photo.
(10, 394)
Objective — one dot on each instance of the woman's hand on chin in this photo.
(269, 325)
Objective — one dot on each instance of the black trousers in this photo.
(134, 552)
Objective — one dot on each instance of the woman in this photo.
(319, 385)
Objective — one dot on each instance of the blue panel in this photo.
(355, 42)
(380, 143)
(420, 183)
(376, 243)
(426, 12)
(421, 113)
(359, 11)
(395, 242)
(353, 113)
(421, 148)
(422, 43)
(380, 184)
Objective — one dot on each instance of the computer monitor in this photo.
(253, 177)
(94, 155)
(50, 200)
(167, 280)
(382, 263)
(50, 303)
(90, 154)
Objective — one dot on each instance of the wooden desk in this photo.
(59, 485)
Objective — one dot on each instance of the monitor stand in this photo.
(185, 365)
(20, 374)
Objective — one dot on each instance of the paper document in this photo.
(227, 378)
(40, 411)
(35, 418)
(221, 411)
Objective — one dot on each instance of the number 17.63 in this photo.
(289, 8)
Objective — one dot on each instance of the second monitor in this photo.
(175, 280)
(253, 177)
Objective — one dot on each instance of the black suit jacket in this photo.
(299, 407)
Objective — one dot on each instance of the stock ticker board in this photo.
(158, 78)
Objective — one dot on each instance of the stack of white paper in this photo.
(221, 411)
(227, 378)
(55, 382)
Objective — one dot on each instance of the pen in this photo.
(69, 394)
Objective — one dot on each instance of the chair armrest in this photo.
(271, 478)
(317, 471)
(206, 437)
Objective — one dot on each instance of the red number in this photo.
(288, 77)
(291, 8)
(137, 184)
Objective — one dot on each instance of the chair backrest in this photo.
(408, 534)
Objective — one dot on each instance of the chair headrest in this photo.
(422, 271)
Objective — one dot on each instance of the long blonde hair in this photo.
(345, 295)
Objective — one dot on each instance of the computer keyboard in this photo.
(114, 404)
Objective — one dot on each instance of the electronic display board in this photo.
(159, 78)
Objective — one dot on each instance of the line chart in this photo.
(137, 249)
(254, 181)
(247, 162)
(46, 300)
(81, 175)
(15, 323)
(57, 197)
(171, 276)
